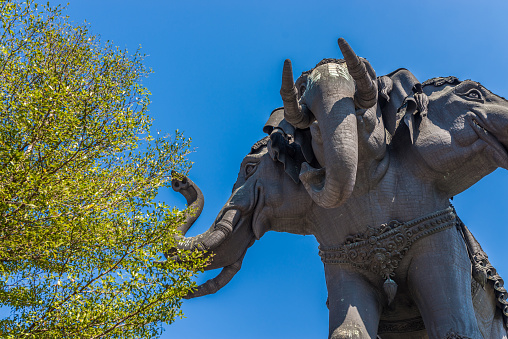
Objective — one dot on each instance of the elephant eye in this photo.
(250, 168)
(302, 90)
(475, 95)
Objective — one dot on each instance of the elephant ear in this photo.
(289, 145)
(275, 121)
(394, 88)
(413, 110)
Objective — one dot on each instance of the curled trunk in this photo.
(329, 95)
(334, 91)
(216, 234)
(194, 197)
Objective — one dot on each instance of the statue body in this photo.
(368, 166)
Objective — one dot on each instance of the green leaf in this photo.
(80, 231)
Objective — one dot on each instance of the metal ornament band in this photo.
(380, 249)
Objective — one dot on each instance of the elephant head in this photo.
(457, 131)
(445, 135)
(330, 99)
(258, 203)
(328, 168)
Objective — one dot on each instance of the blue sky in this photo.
(217, 68)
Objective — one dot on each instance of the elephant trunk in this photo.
(194, 197)
(334, 91)
(329, 95)
(214, 236)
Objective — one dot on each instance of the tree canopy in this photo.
(80, 233)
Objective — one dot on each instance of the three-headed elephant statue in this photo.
(368, 166)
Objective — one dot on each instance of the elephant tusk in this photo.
(222, 279)
(366, 91)
(297, 115)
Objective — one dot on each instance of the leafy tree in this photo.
(79, 231)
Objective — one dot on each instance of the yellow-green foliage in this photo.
(79, 231)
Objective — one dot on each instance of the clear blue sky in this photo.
(217, 77)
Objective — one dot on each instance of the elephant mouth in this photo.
(479, 127)
(247, 209)
(499, 150)
(257, 220)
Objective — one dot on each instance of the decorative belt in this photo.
(380, 249)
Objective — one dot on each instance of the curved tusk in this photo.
(294, 113)
(222, 279)
(366, 91)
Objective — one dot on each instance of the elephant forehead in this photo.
(332, 70)
(332, 74)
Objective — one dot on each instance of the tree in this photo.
(79, 170)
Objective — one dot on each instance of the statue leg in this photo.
(439, 278)
(353, 302)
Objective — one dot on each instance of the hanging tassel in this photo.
(480, 274)
(390, 288)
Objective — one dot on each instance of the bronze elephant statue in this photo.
(368, 166)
